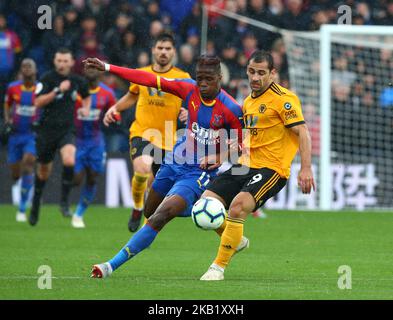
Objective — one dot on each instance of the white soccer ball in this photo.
(208, 213)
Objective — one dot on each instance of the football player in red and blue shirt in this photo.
(186, 171)
(21, 114)
(90, 145)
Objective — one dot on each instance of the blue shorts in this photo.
(18, 145)
(90, 156)
(186, 181)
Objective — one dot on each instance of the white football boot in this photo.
(102, 270)
(214, 273)
(21, 217)
(244, 243)
(77, 222)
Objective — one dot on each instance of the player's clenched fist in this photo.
(112, 115)
(65, 85)
(94, 63)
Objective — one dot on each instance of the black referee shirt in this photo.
(59, 114)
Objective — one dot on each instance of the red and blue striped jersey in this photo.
(21, 101)
(88, 128)
(9, 45)
(210, 123)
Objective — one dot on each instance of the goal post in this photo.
(343, 76)
(326, 34)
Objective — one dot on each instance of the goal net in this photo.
(343, 76)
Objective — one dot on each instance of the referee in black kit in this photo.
(56, 94)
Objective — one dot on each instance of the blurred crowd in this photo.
(120, 31)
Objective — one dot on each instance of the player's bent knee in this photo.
(161, 217)
(143, 164)
(241, 206)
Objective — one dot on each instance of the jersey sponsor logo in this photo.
(26, 111)
(262, 108)
(93, 115)
(287, 106)
(203, 135)
(290, 114)
(5, 43)
(157, 103)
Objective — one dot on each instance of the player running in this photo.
(56, 94)
(154, 130)
(196, 156)
(21, 115)
(277, 130)
(90, 144)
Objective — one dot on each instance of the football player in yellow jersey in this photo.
(276, 130)
(154, 130)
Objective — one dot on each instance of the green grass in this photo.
(293, 255)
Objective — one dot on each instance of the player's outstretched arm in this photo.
(140, 77)
(305, 177)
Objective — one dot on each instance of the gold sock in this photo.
(230, 239)
(221, 229)
(138, 186)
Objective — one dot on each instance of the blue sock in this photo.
(87, 195)
(140, 241)
(27, 183)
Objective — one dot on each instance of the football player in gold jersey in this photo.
(154, 130)
(276, 130)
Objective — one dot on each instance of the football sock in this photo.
(27, 183)
(140, 241)
(38, 189)
(139, 185)
(66, 182)
(87, 196)
(221, 229)
(230, 240)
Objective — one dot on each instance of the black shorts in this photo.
(140, 146)
(262, 183)
(48, 142)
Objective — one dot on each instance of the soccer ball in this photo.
(208, 213)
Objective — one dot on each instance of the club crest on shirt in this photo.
(217, 121)
(262, 108)
(287, 106)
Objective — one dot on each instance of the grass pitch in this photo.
(292, 255)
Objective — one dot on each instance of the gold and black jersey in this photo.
(267, 117)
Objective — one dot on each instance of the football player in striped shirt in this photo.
(90, 144)
(21, 114)
(195, 158)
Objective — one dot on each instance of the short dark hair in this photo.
(210, 61)
(259, 56)
(165, 36)
(64, 50)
